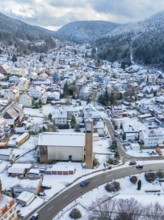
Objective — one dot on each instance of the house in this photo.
(152, 137)
(14, 79)
(12, 93)
(25, 99)
(5, 129)
(51, 96)
(12, 112)
(90, 111)
(43, 77)
(37, 91)
(61, 146)
(131, 131)
(60, 117)
(117, 111)
(160, 78)
(6, 154)
(18, 169)
(2, 70)
(25, 198)
(7, 208)
(23, 84)
(33, 186)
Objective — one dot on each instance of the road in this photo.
(58, 203)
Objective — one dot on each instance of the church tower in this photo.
(88, 143)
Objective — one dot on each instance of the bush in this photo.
(112, 187)
(133, 179)
(160, 174)
(150, 177)
(112, 161)
(95, 162)
(75, 214)
(139, 184)
(117, 155)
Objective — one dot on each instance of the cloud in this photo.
(128, 10)
(56, 13)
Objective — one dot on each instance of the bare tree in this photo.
(102, 211)
(153, 211)
(128, 209)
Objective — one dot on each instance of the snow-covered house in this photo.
(152, 138)
(37, 91)
(43, 77)
(51, 96)
(13, 113)
(131, 131)
(25, 198)
(23, 84)
(89, 111)
(14, 79)
(12, 94)
(7, 208)
(60, 117)
(25, 99)
(117, 111)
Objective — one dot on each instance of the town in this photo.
(66, 115)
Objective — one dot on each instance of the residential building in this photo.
(152, 137)
(25, 99)
(60, 117)
(7, 208)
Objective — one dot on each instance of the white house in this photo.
(60, 116)
(152, 138)
(37, 91)
(25, 198)
(25, 99)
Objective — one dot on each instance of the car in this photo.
(46, 187)
(35, 216)
(132, 163)
(84, 183)
(154, 152)
(139, 166)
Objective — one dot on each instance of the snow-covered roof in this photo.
(25, 196)
(19, 168)
(61, 139)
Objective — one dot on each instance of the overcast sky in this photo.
(53, 14)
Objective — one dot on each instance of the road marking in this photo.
(94, 180)
(50, 208)
(65, 197)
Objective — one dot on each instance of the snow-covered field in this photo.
(128, 190)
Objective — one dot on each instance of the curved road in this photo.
(49, 210)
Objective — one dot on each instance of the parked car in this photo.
(139, 166)
(132, 163)
(35, 216)
(154, 152)
(46, 187)
(84, 183)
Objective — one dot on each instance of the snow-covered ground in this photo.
(127, 191)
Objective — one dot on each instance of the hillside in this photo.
(140, 42)
(24, 36)
(86, 31)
